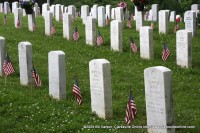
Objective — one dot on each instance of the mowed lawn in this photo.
(31, 109)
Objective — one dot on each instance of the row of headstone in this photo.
(58, 10)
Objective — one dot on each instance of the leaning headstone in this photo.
(155, 8)
(101, 16)
(57, 74)
(119, 13)
(90, 31)
(95, 11)
(100, 88)
(31, 22)
(159, 99)
(84, 13)
(58, 12)
(25, 63)
(35, 8)
(172, 16)
(2, 54)
(113, 13)
(14, 6)
(6, 7)
(139, 20)
(116, 35)
(163, 22)
(45, 8)
(53, 10)
(48, 23)
(184, 48)
(108, 11)
(67, 26)
(72, 11)
(146, 42)
(18, 17)
(190, 22)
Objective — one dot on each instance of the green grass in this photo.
(30, 109)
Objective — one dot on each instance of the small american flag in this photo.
(34, 26)
(7, 66)
(152, 24)
(99, 39)
(76, 34)
(133, 45)
(107, 20)
(53, 29)
(5, 19)
(131, 110)
(176, 27)
(77, 93)
(129, 22)
(18, 23)
(165, 52)
(36, 77)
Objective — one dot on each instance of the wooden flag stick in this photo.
(5, 79)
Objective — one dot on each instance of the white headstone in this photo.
(100, 88)
(116, 35)
(2, 54)
(62, 9)
(172, 16)
(184, 48)
(136, 12)
(95, 11)
(150, 15)
(84, 13)
(146, 42)
(36, 9)
(53, 10)
(119, 13)
(159, 100)
(18, 16)
(45, 8)
(72, 11)
(163, 21)
(57, 74)
(101, 16)
(139, 20)
(67, 26)
(48, 23)
(1, 7)
(58, 12)
(155, 8)
(196, 8)
(6, 7)
(113, 13)
(25, 62)
(23, 12)
(108, 11)
(31, 22)
(190, 22)
(90, 31)
(14, 6)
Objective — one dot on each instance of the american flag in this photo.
(99, 39)
(129, 22)
(77, 93)
(107, 20)
(133, 45)
(5, 19)
(152, 24)
(131, 110)
(165, 52)
(176, 27)
(7, 66)
(18, 23)
(36, 77)
(75, 34)
(34, 26)
(53, 29)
